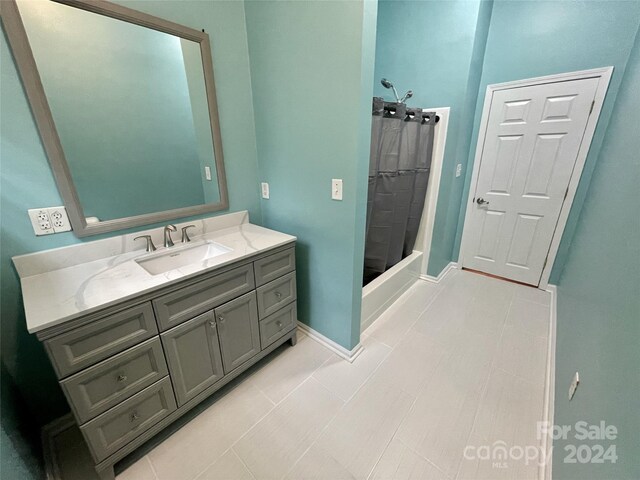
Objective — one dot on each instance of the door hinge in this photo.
(566, 192)
(593, 103)
(545, 263)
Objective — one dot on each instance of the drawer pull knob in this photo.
(134, 416)
(278, 295)
(122, 378)
(279, 324)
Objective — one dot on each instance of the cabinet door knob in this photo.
(134, 416)
(122, 378)
(220, 318)
(212, 323)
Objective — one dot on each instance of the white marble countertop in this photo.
(65, 283)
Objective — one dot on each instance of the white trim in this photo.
(544, 472)
(441, 275)
(348, 355)
(605, 76)
(425, 235)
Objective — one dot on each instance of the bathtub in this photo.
(379, 294)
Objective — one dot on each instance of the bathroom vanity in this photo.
(137, 339)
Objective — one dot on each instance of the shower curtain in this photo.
(399, 164)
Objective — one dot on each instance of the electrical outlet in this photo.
(59, 219)
(575, 381)
(46, 221)
(40, 221)
(336, 189)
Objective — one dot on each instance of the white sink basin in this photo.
(176, 257)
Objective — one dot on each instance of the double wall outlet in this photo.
(46, 221)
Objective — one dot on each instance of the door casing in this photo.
(604, 76)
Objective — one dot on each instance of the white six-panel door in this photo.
(533, 135)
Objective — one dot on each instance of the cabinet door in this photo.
(238, 330)
(193, 356)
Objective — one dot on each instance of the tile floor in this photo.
(449, 365)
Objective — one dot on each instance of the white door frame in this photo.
(604, 75)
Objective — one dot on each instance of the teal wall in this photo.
(489, 43)
(20, 446)
(599, 297)
(311, 95)
(533, 38)
(27, 182)
(435, 48)
(132, 102)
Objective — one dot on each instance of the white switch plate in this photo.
(336, 189)
(59, 219)
(265, 190)
(574, 385)
(40, 221)
(207, 173)
(458, 170)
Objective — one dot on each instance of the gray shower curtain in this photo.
(399, 164)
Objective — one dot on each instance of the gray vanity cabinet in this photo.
(193, 355)
(238, 330)
(131, 369)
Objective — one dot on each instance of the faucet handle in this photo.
(150, 246)
(185, 234)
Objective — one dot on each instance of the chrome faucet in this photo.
(168, 242)
(150, 246)
(185, 234)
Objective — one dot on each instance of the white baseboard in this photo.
(544, 472)
(348, 355)
(443, 273)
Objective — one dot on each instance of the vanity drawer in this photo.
(115, 428)
(184, 304)
(274, 295)
(100, 339)
(274, 266)
(98, 388)
(275, 326)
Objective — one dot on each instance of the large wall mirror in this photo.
(126, 107)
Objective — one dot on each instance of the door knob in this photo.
(482, 201)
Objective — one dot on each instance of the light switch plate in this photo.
(265, 190)
(458, 170)
(207, 173)
(336, 189)
(574, 385)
